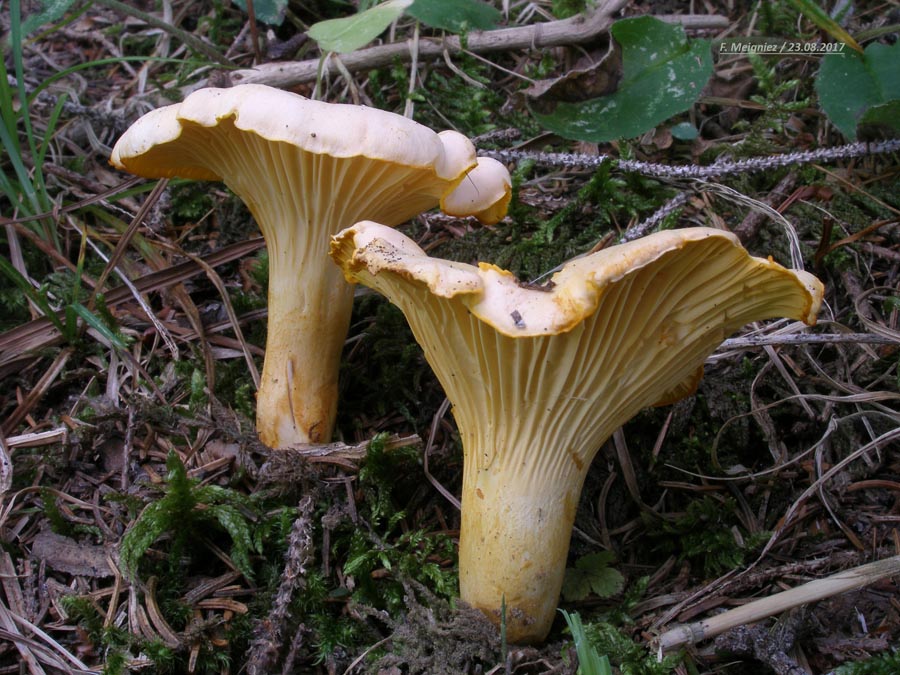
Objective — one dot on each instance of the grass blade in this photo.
(590, 662)
(820, 17)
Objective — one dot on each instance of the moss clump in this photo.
(884, 664)
(533, 240)
(705, 536)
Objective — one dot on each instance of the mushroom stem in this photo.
(308, 321)
(513, 544)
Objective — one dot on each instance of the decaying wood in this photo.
(284, 462)
(575, 30)
(67, 555)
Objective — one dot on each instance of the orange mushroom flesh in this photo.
(305, 169)
(539, 379)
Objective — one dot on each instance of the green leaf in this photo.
(592, 574)
(455, 16)
(849, 84)
(685, 131)
(663, 74)
(98, 325)
(270, 12)
(352, 32)
(51, 10)
(880, 121)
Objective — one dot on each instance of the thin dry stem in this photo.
(780, 602)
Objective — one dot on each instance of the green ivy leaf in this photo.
(592, 574)
(663, 74)
(269, 12)
(349, 33)
(455, 16)
(848, 84)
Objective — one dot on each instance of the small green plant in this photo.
(775, 98)
(617, 198)
(531, 246)
(186, 509)
(777, 18)
(589, 660)
(629, 657)
(113, 640)
(883, 664)
(453, 103)
(563, 9)
(592, 574)
(378, 559)
(704, 535)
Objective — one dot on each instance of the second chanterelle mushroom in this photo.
(540, 378)
(306, 169)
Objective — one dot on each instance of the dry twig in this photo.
(780, 602)
(576, 30)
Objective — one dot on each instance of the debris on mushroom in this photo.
(539, 379)
(305, 169)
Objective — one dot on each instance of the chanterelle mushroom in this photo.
(485, 193)
(539, 379)
(305, 169)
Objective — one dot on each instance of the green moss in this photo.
(58, 523)
(186, 509)
(381, 555)
(530, 243)
(777, 17)
(883, 664)
(628, 656)
(704, 535)
(190, 200)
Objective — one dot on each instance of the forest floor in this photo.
(144, 526)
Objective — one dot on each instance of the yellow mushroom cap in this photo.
(485, 193)
(223, 134)
(305, 169)
(540, 378)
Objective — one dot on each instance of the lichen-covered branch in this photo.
(724, 167)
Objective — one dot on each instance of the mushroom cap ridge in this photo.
(573, 293)
(337, 129)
